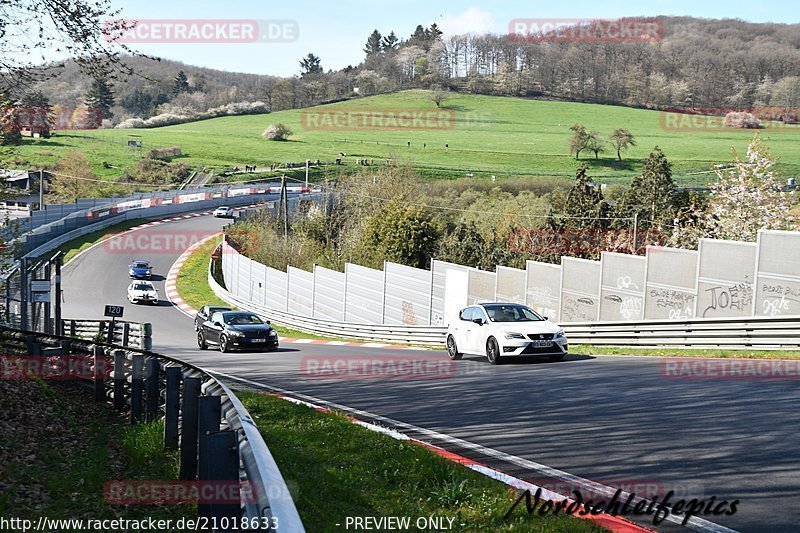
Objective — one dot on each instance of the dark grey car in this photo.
(237, 329)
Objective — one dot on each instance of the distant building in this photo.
(26, 184)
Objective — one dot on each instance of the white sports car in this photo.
(501, 330)
(142, 291)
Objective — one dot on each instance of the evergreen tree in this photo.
(37, 113)
(374, 44)
(310, 65)
(652, 195)
(585, 205)
(100, 97)
(390, 42)
(180, 84)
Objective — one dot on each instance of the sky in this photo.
(336, 30)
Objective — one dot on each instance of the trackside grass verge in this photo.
(336, 469)
(58, 449)
(721, 353)
(76, 246)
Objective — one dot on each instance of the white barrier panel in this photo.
(301, 291)
(277, 281)
(671, 286)
(778, 271)
(439, 306)
(622, 286)
(328, 294)
(407, 298)
(243, 275)
(480, 286)
(580, 290)
(543, 288)
(725, 278)
(510, 285)
(257, 282)
(364, 296)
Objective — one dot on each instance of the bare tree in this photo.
(437, 95)
(622, 139)
(595, 143)
(579, 140)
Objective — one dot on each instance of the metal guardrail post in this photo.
(137, 388)
(100, 373)
(151, 381)
(119, 380)
(71, 328)
(222, 459)
(110, 334)
(146, 336)
(172, 407)
(65, 347)
(189, 418)
(209, 415)
(126, 328)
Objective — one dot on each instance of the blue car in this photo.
(140, 270)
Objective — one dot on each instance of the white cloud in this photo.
(473, 20)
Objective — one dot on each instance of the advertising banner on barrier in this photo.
(239, 192)
(134, 204)
(188, 198)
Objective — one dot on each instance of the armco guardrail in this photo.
(119, 332)
(754, 332)
(218, 441)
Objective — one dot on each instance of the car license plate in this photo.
(258, 340)
(542, 344)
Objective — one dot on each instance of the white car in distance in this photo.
(223, 212)
(503, 330)
(142, 292)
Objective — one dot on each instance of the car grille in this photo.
(540, 336)
(255, 335)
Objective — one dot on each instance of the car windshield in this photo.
(241, 319)
(143, 287)
(141, 264)
(511, 313)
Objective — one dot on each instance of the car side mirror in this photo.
(268, 322)
(218, 324)
(544, 317)
(478, 321)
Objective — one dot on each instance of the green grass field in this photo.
(488, 135)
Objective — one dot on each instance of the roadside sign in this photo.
(114, 311)
(40, 290)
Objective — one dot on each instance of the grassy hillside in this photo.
(490, 135)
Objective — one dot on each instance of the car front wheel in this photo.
(223, 344)
(493, 351)
(452, 349)
(201, 341)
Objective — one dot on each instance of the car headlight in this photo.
(513, 335)
(236, 333)
(273, 333)
(560, 333)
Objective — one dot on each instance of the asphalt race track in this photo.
(615, 420)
